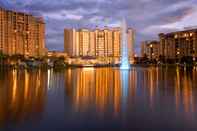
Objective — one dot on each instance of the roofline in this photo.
(38, 18)
(171, 33)
(99, 29)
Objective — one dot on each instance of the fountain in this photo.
(125, 65)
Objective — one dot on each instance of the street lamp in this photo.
(178, 53)
(151, 51)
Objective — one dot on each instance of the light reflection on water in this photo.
(140, 98)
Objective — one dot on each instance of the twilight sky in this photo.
(147, 17)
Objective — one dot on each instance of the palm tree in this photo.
(16, 58)
(1, 58)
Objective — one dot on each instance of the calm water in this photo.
(103, 99)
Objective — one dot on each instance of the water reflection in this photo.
(154, 96)
(22, 95)
(145, 87)
(184, 86)
(94, 86)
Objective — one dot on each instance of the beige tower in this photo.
(131, 40)
(21, 34)
(117, 42)
(84, 42)
(92, 44)
(98, 43)
(71, 42)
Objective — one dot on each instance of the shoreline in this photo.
(93, 66)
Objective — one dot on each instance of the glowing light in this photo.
(14, 86)
(88, 69)
(48, 78)
(26, 85)
(125, 59)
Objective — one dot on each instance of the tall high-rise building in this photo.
(92, 50)
(96, 43)
(172, 47)
(131, 39)
(150, 49)
(143, 48)
(100, 43)
(71, 47)
(117, 43)
(21, 34)
(176, 45)
(109, 41)
(84, 38)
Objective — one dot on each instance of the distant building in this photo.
(131, 39)
(21, 34)
(150, 49)
(84, 42)
(96, 43)
(70, 47)
(176, 45)
(143, 48)
(56, 54)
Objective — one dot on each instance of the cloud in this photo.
(187, 19)
(61, 15)
(147, 17)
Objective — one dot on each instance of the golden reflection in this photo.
(151, 83)
(99, 87)
(117, 92)
(104, 86)
(14, 79)
(26, 84)
(184, 90)
(177, 88)
(22, 96)
(108, 86)
(48, 79)
(187, 94)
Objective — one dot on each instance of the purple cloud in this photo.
(147, 17)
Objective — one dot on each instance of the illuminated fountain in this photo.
(125, 57)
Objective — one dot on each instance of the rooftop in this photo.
(176, 32)
(38, 18)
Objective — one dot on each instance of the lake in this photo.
(143, 98)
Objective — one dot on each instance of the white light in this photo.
(125, 65)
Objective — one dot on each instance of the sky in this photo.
(147, 17)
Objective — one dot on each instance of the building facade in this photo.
(56, 54)
(150, 49)
(176, 45)
(21, 34)
(96, 43)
